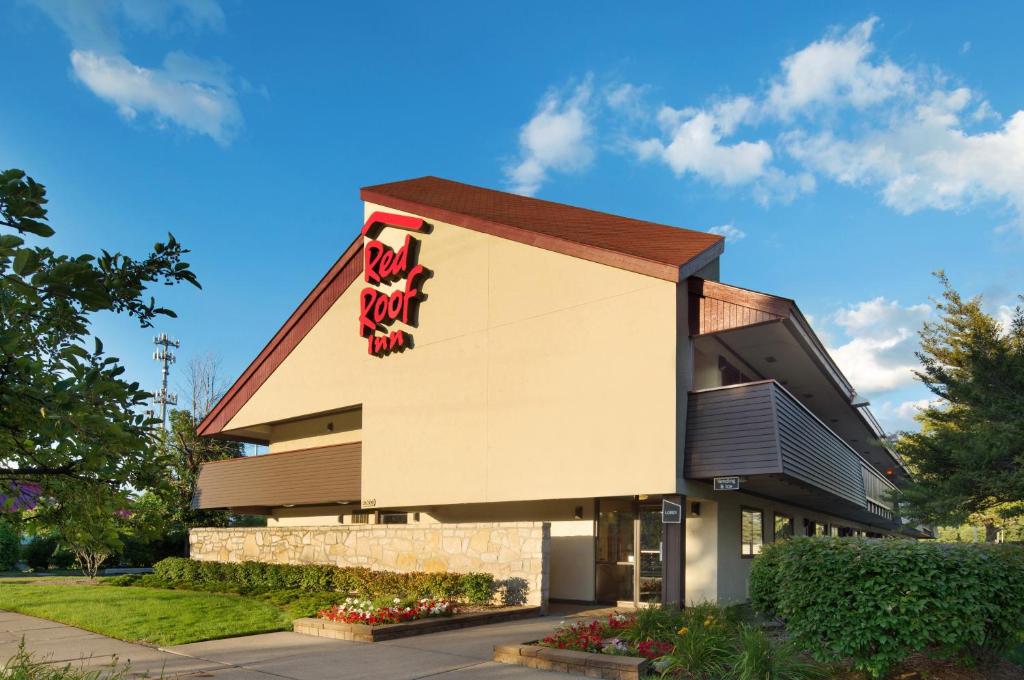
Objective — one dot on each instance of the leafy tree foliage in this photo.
(66, 412)
(88, 520)
(187, 452)
(968, 458)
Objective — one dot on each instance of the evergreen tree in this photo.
(968, 457)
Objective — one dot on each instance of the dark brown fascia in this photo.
(612, 258)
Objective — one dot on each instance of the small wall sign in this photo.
(671, 513)
(395, 280)
(727, 483)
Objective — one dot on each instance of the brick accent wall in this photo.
(516, 553)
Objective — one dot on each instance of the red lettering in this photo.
(371, 256)
(379, 345)
(410, 291)
(378, 309)
(366, 300)
(381, 263)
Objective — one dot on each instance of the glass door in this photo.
(652, 553)
(630, 551)
(616, 555)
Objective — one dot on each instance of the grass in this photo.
(149, 615)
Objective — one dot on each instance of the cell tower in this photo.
(166, 357)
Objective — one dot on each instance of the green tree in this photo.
(968, 457)
(88, 520)
(66, 412)
(187, 452)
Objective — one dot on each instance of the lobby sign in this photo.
(671, 513)
(727, 483)
(395, 281)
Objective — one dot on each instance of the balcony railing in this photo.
(763, 434)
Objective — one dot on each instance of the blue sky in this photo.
(846, 149)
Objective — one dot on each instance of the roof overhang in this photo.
(774, 339)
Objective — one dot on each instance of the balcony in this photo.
(763, 434)
(255, 484)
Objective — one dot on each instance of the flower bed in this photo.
(356, 610)
(701, 642)
(374, 625)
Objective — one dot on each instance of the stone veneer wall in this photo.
(516, 553)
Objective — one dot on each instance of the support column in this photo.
(673, 563)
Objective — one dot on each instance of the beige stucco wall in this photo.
(715, 568)
(516, 553)
(336, 428)
(534, 375)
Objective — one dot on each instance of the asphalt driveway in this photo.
(457, 655)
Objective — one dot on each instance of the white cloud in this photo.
(558, 137)
(896, 416)
(925, 160)
(627, 99)
(693, 144)
(729, 232)
(1005, 315)
(193, 93)
(833, 71)
(94, 24)
(179, 92)
(882, 338)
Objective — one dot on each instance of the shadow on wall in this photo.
(513, 591)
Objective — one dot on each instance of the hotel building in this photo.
(570, 400)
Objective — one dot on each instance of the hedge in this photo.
(475, 588)
(10, 545)
(876, 602)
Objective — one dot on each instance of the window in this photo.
(820, 529)
(783, 526)
(394, 518)
(833, 530)
(360, 517)
(846, 531)
(730, 374)
(752, 532)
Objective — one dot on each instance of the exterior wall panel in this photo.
(323, 475)
(760, 429)
(731, 432)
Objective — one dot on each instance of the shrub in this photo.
(879, 601)
(261, 577)
(757, 657)
(763, 578)
(476, 587)
(654, 623)
(703, 647)
(10, 545)
(39, 551)
(123, 580)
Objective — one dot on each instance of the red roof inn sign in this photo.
(395, 280)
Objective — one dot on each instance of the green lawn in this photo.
(151, 615)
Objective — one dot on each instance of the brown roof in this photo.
(646, 247)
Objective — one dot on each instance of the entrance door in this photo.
(630, 552)
(652, 553)
(616, 556)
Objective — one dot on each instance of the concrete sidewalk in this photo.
(456, 655)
